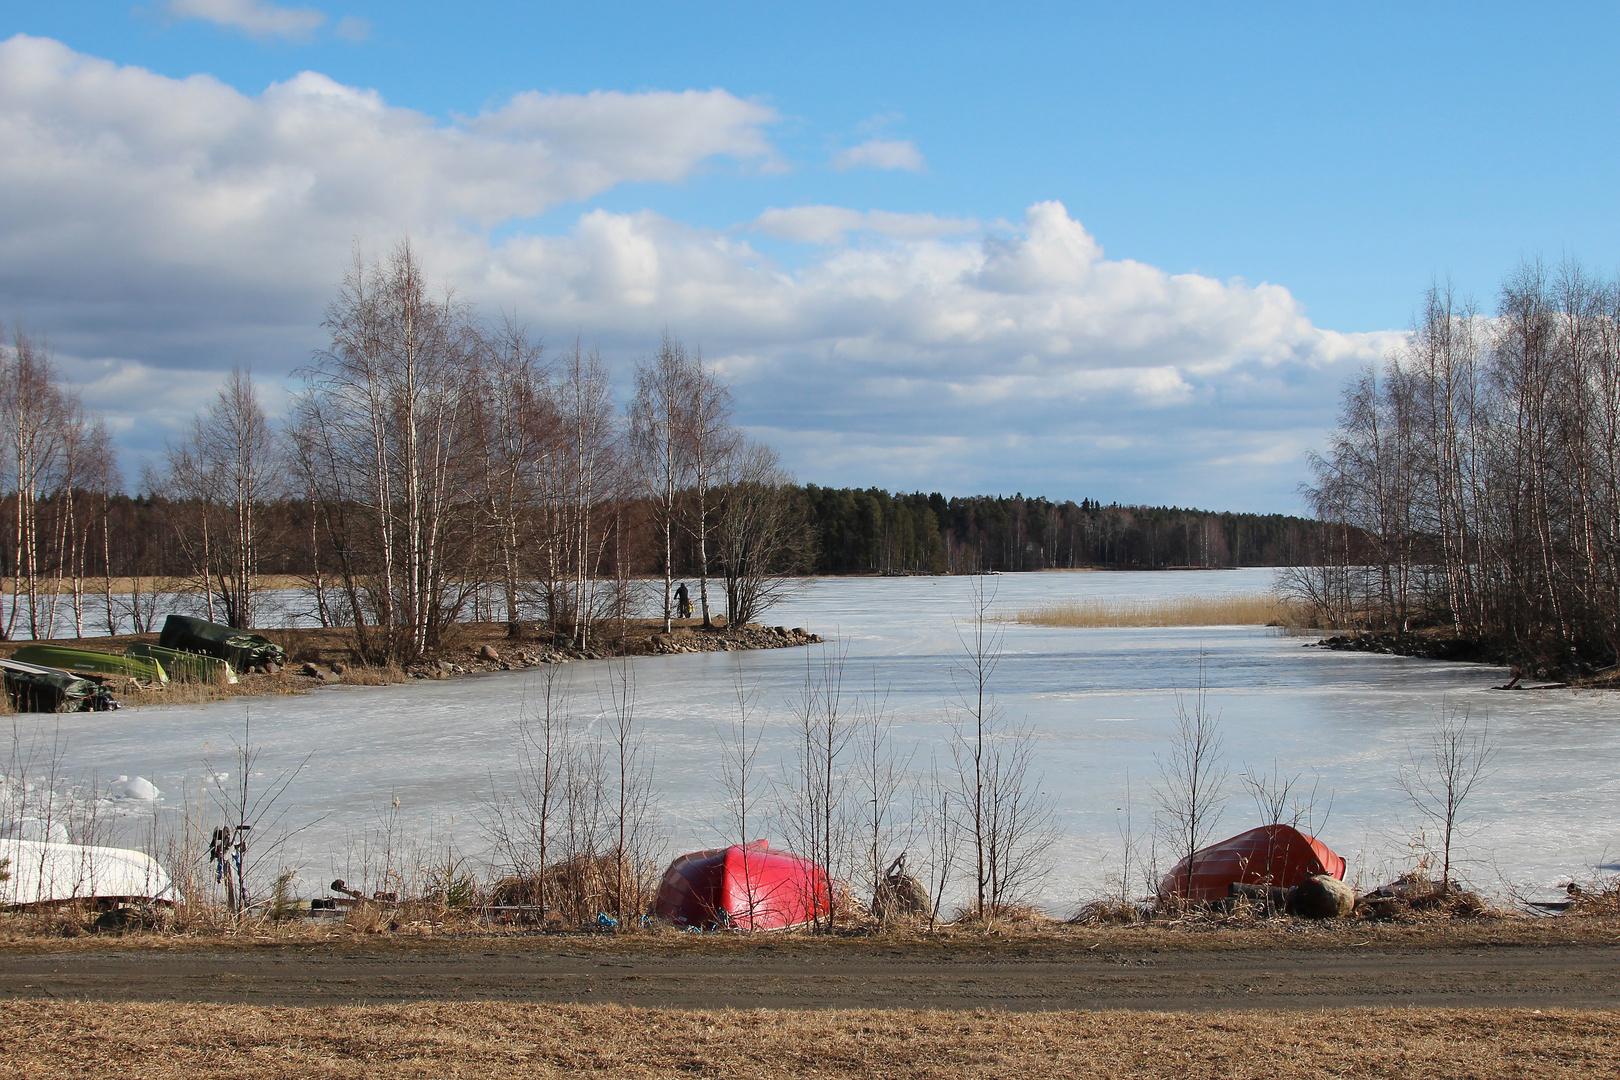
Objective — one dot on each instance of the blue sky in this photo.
(1251, 199)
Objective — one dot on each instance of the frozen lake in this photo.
(1101, 702)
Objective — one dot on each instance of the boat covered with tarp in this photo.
(242, 649)
(744, 887)
(1274, 855)
(91, 660)
(36, 688)
(184, 666)
(42, 872)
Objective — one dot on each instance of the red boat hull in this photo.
(747, 887)
(1270, 855)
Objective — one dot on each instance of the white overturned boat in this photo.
(47, 873)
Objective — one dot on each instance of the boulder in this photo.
(1321, 896)
(340, 668)
(310, 669)
(488, 653)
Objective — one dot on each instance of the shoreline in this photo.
(1446, 647)
(324, 656)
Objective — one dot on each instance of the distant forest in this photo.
(847, 531)
(872, 531)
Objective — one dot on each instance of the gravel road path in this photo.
(1068, 977)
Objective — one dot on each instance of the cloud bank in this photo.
(150, 224)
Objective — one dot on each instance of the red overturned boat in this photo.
(1270, 855)
(744, 887)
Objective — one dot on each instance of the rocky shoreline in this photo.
(1423, 646)
(1575, 672)
(489, 656)
(324, 656)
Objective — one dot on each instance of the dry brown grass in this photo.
(1226, 609)
(424, 926)
(495, 1040)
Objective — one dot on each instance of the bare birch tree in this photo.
(710, 441)
(30, 414)
(224, 468)
(760, 538)
(660, 429)
(382, 419)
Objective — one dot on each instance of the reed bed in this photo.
(1224, 609)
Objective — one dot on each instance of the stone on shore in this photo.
(1322, 896)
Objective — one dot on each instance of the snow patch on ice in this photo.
(139, 789)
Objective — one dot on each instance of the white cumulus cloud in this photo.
(150, 224)
(259, 18)
(140, 202)
(831, 224)
(881, 154)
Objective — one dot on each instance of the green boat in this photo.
(184, 666)
(101, 663)
(242, 649)
(33, 688)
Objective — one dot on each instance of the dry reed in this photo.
(1225, 609)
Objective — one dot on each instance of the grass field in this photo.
(1226, 609)
(490, 1041)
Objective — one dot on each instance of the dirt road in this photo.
(1046, 978)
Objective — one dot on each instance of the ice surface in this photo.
(1101, 702)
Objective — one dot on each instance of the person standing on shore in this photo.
(683, 602)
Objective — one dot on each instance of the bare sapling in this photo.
(632, 813)
(254, 832)
(881, 775)
(1192, 783)
(1130, 850)
(585, 816)
(1439, 777)
(815, 783)
(940, 827)
(1280, 799)
(1006, 818)
(522, 819)
(739, 778)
